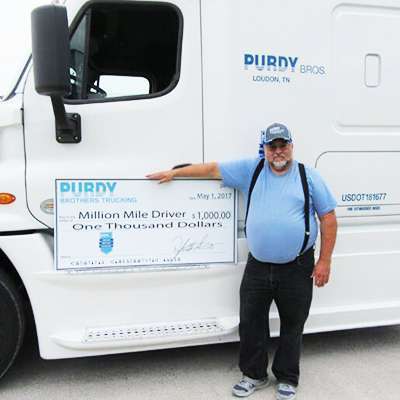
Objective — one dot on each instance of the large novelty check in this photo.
(128, 223)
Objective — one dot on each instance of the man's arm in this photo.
(207, 170)
(328, 238)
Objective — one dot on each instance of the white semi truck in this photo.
(119, 89)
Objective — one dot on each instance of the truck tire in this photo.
(12, 322)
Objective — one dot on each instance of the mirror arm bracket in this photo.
(68, 125)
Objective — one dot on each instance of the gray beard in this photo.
(280, 165)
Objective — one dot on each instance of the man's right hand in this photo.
(162, 176)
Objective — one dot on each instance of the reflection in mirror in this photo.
(77, 46)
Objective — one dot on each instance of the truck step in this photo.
(148, 334)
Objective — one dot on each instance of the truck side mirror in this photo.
(50, 50)
(51, 62)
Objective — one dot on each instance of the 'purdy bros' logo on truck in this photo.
(270, 62)
(276, 65)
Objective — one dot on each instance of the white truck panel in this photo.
(14, 216)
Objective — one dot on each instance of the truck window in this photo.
(121, 50)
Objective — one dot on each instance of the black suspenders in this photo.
(304, 184)
(306, 207)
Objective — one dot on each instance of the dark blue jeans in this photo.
(291, 287)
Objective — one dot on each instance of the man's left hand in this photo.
(321, 273)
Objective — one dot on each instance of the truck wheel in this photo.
(12, 323)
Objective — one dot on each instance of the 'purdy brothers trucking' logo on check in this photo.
(94, 188)
(93, 191)
(278, 64)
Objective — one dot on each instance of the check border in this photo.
(168, 266)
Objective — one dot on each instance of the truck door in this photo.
(136, 84)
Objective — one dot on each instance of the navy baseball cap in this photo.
(276, 131)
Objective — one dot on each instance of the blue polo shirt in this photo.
(275, 223)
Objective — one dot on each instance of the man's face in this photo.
(279, 154)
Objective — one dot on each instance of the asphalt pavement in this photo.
(346, 365)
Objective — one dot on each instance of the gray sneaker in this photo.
(285, 391)
(247, 386)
